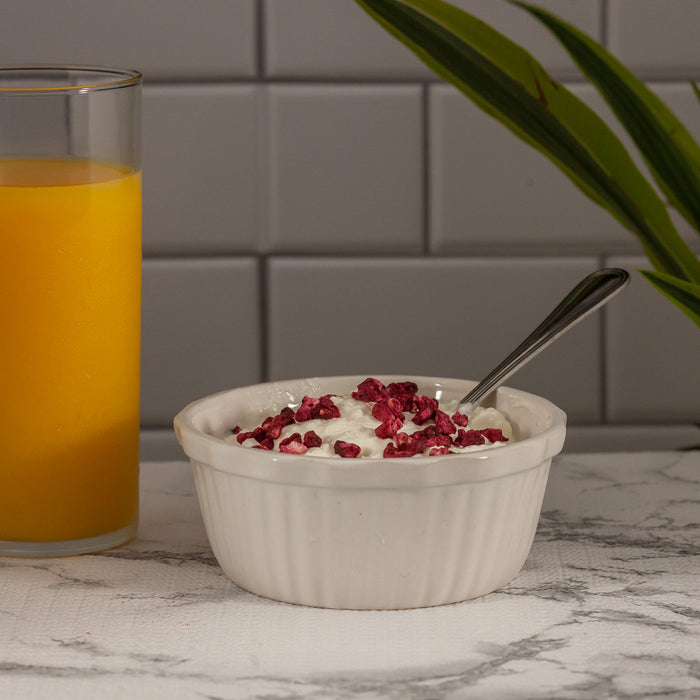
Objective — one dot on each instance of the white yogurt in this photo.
(357, 425)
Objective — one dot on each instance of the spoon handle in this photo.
(589, 294)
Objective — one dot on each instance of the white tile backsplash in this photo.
(522, 28)
(438, 317)
(332, 39)
(345, 168)
(202, 163)
(200, 332)
(656, 39)
(490, 191)
(316, 201)
(164, 39)
(653, 355)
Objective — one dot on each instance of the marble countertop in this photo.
(607, 606)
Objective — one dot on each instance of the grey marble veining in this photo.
(607, 606)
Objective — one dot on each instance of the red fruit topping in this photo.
(467, 438)
(388, 428)
(260, 434)
(385, 409)
(273, 425)
(443, 423)
(404, 392)
(322, 408)
(389, 412)
(369, 390)
(390, 404)
(306, 410)
(406, 446)
(311, 439)
(432, 437)
(346, 449)
(242, 437)
(460, 419)
(439, 441)
(427, 433)
(326, 409)
(494, 435)
(425, 407)
(293, 445)
(392, 451)
(267, 443)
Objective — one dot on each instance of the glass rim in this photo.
(120, 77)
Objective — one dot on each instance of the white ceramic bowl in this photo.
(368, 533)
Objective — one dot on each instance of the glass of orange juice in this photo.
(70, 290)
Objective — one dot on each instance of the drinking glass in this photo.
(70, 291)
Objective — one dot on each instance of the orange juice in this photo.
(70, 287)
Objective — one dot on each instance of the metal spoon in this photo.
(588, 295)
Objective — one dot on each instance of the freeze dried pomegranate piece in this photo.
(432, 437)
(386, 409)
(274, 424)
(442, 450)
(404, 392)
(306, 410)
(293, 445)
(427, 433)
(406, 446)
(326, 409)
(260, 434)
(311, 439)
(267, 443)
(369, 390)
(242, 437)
(494, 435)
(388, 428)
(416, 444)
(460, 419)
(322, 408)
(439, 441)
(443, 423)
(467, 438)
(236, 429)
(390, 413)
(425, 407)
(392, 451)
(346, 449)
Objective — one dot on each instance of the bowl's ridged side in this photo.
(371, 548)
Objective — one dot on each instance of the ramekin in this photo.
(368, 533)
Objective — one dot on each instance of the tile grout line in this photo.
(603, 327)
(604, 24)
(425, 154)
(264, 316)
(260, 42)
(332, 81)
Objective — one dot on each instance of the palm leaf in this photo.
(685, 295)
(510, 85)
(670, 151)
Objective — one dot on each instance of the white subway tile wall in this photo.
(345, 168)
(439, 316)
(316, 202)
(211, 206)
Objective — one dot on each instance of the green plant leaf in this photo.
(510, 85)
(696, 89)
(668, 148)
(685, 295)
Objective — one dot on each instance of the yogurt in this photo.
(399, 423)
